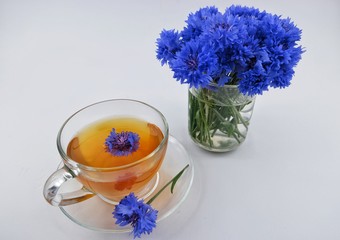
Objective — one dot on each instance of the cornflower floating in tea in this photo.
(141, 216)
(122, 144)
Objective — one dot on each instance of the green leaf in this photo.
(172, 182)
(175, 179)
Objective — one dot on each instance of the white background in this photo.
(59, 56)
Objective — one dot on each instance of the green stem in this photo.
(235, 111)
(209, 115)
(172, 181)
(235, 129)
(205, 116)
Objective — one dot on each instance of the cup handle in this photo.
(53, 185)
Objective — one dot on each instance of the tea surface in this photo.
(88, 146)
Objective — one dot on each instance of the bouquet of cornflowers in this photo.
(243, 47)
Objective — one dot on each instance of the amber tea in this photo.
(118, 175)
(113, 148)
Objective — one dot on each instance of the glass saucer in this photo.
(96, 214)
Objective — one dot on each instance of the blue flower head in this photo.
(141, 216)
(167, 45)
(196, 22)
(122, 144)
(254, 81)
(195, 64)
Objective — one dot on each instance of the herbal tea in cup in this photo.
(112, 148)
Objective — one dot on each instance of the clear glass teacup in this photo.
(96, 149)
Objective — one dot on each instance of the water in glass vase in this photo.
(219, 118)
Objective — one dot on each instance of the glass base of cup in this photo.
(143, 194)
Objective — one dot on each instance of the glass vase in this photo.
(219, 117)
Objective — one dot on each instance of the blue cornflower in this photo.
(146, 220)
(196, 22)
(141, 216)
(195, 64)
(254, 81)
(279, 39)
(225, 33)
(122, 144)
(167, 45)
(126, 209)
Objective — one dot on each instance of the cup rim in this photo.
(69, 160)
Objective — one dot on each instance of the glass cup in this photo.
(141, 176)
